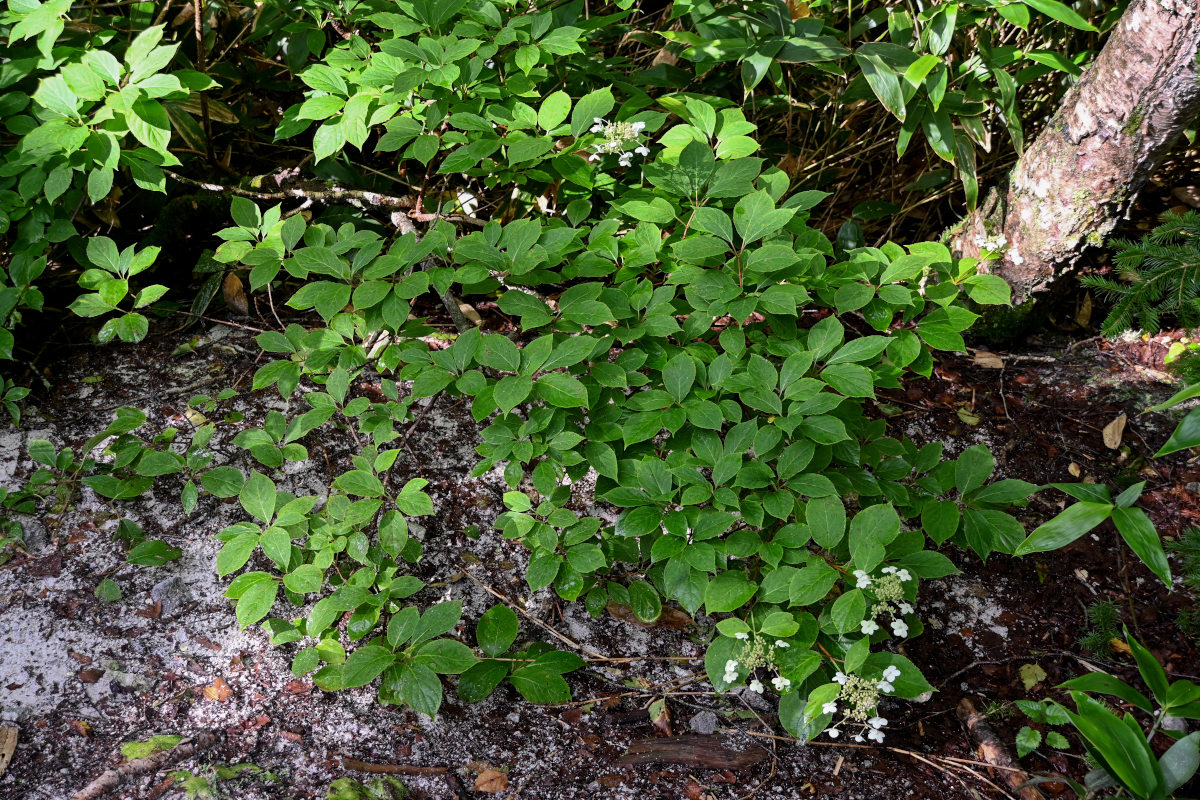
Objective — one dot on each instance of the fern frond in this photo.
(1160, 276)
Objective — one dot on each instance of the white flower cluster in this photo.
(861, 698)
(890, 595)
(995, 245)
(618, 137)
(754, 657)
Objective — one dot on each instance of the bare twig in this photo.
(389, 769)
(564, 639)
(328, 194)
(149, 765)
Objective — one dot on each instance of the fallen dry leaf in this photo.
(660, 717)
(8, 744)
(1119, 646)
(1032, 675)
(1083, 314)
(491, 781)
(234, 294)
(1074, 469)
(150, 612)
(967, 417)
(1113, 432)
(219, 691)
(470, 313)
(90, 675)
(988, 360)
(82, 728)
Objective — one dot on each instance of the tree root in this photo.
(993, 751)
(113, 778)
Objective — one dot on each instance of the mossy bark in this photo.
(1079, 177)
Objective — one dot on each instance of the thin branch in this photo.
(149, 765)
(330, 194)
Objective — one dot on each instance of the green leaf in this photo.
(1062, 13)
(236, 552)
(304, 579)
(728, 591)
(1175, 399)
(1103, 683)
(755, 216)
(1065, 528)
(1027, 741)
(640, 521)
(554, 110)
(365, 665)
(1138, 532)
(414, 502)
(478, 682)
(539, 684)
(1151, 671)
(883, 82)
(973, 468)
(910, 684)
(1186, 435)
(257, 496)
(421, 688)
(438, 620)
(150, 124)
(255, 603)
(848, 611)
(592, 105)
(870, 531)
(152, 553)
(561, 390)
(678, 376)
(446, 657)
(645, 602)
(497, 630)
(1180, 762)
(359, 482)
(826, 518)
(1123, 752)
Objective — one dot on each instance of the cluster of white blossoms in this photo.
(860, 698)
(889, 596)
(755, 656)
(619, 137)
(994, 245)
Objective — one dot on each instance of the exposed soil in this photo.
(78, 677)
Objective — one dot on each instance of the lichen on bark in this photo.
(1078, 178)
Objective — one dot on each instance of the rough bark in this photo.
(1079, 177)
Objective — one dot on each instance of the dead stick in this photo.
(390, 769)
(113, 778)
(992, 751)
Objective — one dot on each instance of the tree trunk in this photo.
(1081, 174)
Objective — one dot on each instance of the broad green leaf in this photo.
(257, 496)
(497, 630)
(590, 106)
(1061, 12)
(1186, 435)
(1065, 528)
(728, 591)
(1138, 532)
(883, 82)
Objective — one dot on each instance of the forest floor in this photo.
(79, 676)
